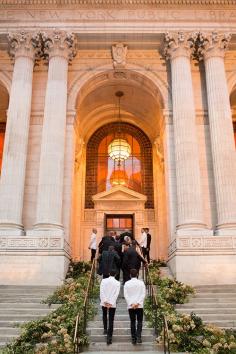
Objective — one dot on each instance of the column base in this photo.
(225, 230)
(11, 229)
(193, 230)
(46, 229)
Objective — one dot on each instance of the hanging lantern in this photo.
(119, 150)
(119, 177)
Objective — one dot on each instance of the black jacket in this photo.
(132, 259)
(149, 239)
(109, 260)
(105, 242)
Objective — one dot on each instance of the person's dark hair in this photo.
(133, 273)
(134, 243)
(112, 273)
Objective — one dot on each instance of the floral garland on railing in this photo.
(187, 333)
(53, 333)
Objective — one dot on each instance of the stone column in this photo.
(23, 47)
(189, 195)
(212, 48)
(59, 48)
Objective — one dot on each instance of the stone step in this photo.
(9, 331)
(209, 305)
(7, 338)
(214, 317)
(201, 311)
(126, 347)
(119, 317)
(11, 323)
(26, 317)
(117, 331)
(120, 338)
(224, 323)
(28, 288)
(213, 287)
(213, 295)
(117, 324)
(20, 300)
(196, 300)
(27, 306)
(19, 311)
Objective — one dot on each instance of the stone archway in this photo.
(142, 107)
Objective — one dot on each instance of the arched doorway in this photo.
(141, 112)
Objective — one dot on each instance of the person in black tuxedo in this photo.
(131, 260)
(149, 239)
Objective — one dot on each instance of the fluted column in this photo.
(212, 47)
(60, 48)
(23, 47)
(189, 195)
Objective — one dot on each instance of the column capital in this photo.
(24, 44)
(179, 44)
(212, 44)
(59, 43)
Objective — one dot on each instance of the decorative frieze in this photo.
(202, 243)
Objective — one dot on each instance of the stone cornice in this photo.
(60, 3)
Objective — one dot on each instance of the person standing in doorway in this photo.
(109, 291)
(93, 244)
(149, 239)
(134, 293)
(143, 242)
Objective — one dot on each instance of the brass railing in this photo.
(151, 290)
(87, 299)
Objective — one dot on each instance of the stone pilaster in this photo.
(23, 47)
(59, 48)
(178, 48)
(212, 48)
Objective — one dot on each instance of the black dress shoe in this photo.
(109, 340)
(105, 331)
(139, 340)
(134, 341)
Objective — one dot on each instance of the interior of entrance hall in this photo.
(106, 192)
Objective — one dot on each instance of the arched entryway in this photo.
(4, 101)
(141, 115)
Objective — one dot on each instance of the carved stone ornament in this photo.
(24, 43)
(59, 43)
(179, 44)
(119, 53)
(212, 44)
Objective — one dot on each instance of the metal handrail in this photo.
(152, 294)
(87, 297)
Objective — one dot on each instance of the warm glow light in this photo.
(119, 177)
(119, 150)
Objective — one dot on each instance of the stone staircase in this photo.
(20, 304)
(121, 341)
(214, 304)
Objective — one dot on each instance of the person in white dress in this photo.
(93, 244)
(134, 293)
(109, 291)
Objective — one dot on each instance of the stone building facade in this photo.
(61, 65)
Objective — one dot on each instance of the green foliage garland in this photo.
(54, 333)
(187, 333)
